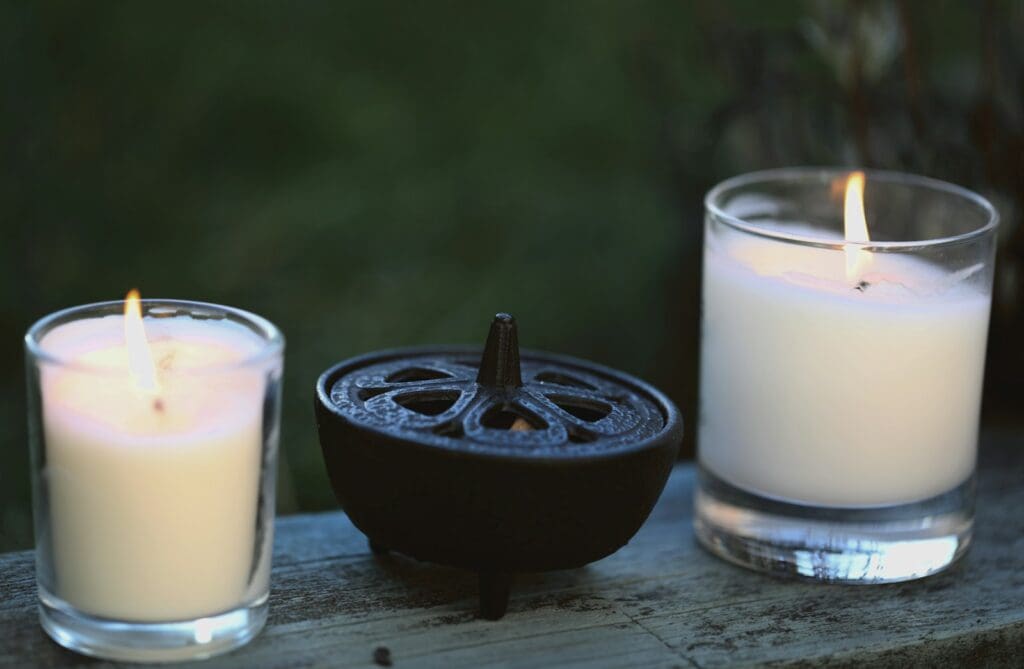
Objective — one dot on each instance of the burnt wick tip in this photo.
(862, 286)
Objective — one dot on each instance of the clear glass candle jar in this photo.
(841, 380)
(153, 467)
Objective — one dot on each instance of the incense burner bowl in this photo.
(494, 461)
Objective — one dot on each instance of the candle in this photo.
(822, 393)
(841, 372)
(153, 457)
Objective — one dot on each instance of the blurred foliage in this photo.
(374, 174)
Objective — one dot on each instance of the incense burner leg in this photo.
(494, 592)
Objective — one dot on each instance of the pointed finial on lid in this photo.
(499, 366)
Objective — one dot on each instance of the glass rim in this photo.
(797, 174)
(270, 335)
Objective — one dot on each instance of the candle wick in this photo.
(158, 405)
(862, 286)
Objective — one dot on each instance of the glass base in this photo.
(149, 642)
(885, 544)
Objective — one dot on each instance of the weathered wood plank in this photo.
(659, 602)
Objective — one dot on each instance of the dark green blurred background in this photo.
(371, 174)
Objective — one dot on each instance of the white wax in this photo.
(152, 498)
(814, 392)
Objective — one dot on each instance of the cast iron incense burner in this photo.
(498, 463)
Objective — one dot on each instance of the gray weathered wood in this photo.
(659, 602)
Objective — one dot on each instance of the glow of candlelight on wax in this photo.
(855, 227)
(140, 359)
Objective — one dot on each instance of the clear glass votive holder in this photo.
(841, 380)
(153, 474)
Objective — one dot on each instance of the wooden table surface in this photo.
(659, 602)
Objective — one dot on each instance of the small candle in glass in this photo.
(154, 431)
(845, 318)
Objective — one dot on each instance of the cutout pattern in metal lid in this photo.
(560, 408)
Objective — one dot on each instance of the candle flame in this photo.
(855, 227)
(140, 359)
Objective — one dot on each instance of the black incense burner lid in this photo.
(496, 461)
(480, 404)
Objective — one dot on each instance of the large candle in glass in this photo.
(843, 345)
(154, 442)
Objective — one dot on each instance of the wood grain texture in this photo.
(658, 602)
